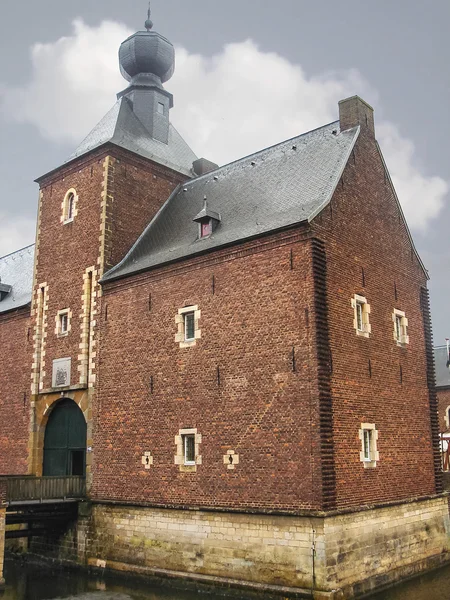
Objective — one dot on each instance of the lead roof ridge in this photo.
(17, 251)
(238, 160)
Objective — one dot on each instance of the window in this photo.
(160, 108)
(205, 228)
(69, 207)
(188, 331)
(400, 327)
(187, 455)
(63, 322)
(361, 314)
(367, 444)
(369, 455)
(189, 326)
(189, 449)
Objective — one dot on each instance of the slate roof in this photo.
(277, 187)
(122, 127)
(442, 371)
(16, 270)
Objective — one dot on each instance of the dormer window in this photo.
(207, 220)
(4, 290)
(206, 228)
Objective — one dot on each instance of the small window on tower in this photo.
(63, 322)
(160, 108)
(69, 207)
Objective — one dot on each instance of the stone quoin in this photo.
(224, 343)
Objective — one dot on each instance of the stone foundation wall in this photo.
(355, 552)
(371, 548)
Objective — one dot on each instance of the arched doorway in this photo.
(65, 441)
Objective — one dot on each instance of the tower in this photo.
(91, 211)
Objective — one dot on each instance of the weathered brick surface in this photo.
(15, 355)
(443, 403)
(237, 386)
(369, 253)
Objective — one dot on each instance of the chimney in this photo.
(202, 166)
(353, 112)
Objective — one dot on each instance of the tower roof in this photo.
(120, 126)
(139, 122)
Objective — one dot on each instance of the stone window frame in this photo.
(58, 319)
(366, 329)
(65, 219)
(374, 456)
(180, 447)
(180, 336)
(404, 337)
(447, 416)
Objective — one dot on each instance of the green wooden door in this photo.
(65, 441)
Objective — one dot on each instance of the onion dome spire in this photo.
(149, 22)
(147, 61)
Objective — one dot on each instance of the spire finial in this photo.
(149, 22)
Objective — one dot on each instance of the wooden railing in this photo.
(28, 489)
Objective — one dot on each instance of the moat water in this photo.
(33, 582)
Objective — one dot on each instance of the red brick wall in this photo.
(443, 396)
(363, 230)
(138, 188)
(65, 251)
(263, 410)
(15, 355)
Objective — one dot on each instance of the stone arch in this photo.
(43, 409)
(65, 440)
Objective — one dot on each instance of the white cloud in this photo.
(15, 232)
(226, 106)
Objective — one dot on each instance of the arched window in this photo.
(69, 207)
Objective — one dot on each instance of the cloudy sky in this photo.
(250, 73)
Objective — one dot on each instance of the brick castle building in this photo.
(238, 359)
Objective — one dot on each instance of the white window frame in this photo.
(161, 109)
(69, 214)
(187, 316)
(180, 320)
(65, 313)
(403, 338)
(361, 312)
(187, 466)
(186, 437)
(369, 455)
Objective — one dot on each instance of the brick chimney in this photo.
(354, 111)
